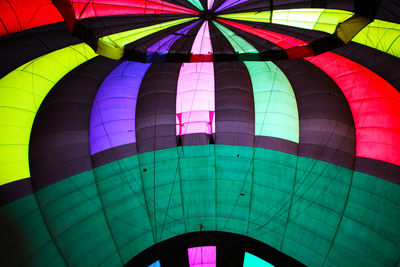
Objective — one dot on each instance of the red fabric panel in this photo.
(68, 13)
(201, 58)
(96, 8)
(294, 47)
(374, 103)
(18, 15)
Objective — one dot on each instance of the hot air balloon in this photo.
(199, 133)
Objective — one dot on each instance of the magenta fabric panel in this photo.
(203, 256)
(112, 119)
(195, 100)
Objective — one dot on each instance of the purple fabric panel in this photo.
(112, 120)
(228, 4)
(164, 44)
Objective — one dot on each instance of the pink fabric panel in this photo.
(195, 99)
(203, 256)
(202, 42)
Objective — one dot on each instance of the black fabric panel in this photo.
(220, 44)
(204, 4)
(140, 46)
(102, 26)
(113, 154)
(195, 139)
(277, 144)
(367, 8)
(183, 3)
(302, 34)
(389, 10)
(270, 50)
(264, 5)
(234, 104)
(340, 4)
(184, 45)
(382, 169)
(22, 47)
(383, 64)
(15, 190)
(59, 142)
(326, 124)
(156, 108)
(230, 247)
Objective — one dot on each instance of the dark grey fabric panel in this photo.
(327, 129)
(389, 10)
(22, 47)
(383, 64)
(156, 108)
(102, 26)
(15, 190)
(277, 144)
(382, 169)
(113, 154)
(184, 45)
(59, 143)
(234, 104)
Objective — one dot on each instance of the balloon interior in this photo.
(199, 133)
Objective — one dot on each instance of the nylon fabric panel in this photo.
(221, 46)
(183, 46)
(14, 52)
(102, 26)
(73, 210)
(112, 119)
(372, 210)
(156, 108)
(195, 102)
(326, 124)
(112, 45)
(319, 191)
(381, 35)
(239, 44)
(22, 92)
(141, 45)
(19, 15)
(234, 104)
(202, 48)
(295, 48)
(98, 8)
(374, 105)
(59, 148)
(164, 45)
(275, 105)
(381, 63)
(22, 219)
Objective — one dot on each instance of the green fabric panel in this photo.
(239, 44)
(25, 239)
(275, 105)
(75, 216)
(381, 35)
(112, 46)
(21, 93)
(197, 4)
(316, 208)
(325, 20)
(292, 203)
(253, 261)
(274, 177)
(371, 224)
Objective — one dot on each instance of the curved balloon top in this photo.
(126, 124)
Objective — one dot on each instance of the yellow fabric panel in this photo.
(21, 93)
(112, 46)
(381, 35)
(351, 27)
(330, 18)
(263, 16)
(325, 20)
(303, 18)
